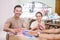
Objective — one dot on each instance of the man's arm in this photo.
(51, 31)
(6, 27)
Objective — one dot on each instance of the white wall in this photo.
(6, 9)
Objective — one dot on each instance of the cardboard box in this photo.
(19, 37)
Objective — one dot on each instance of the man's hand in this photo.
(13, 31)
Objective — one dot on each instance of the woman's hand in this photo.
(33, 33)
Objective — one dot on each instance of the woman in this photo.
(38, 24)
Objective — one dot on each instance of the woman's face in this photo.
(38, 16)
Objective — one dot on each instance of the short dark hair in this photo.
(17, 6)
(39, 13)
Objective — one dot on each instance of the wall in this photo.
(6, 9)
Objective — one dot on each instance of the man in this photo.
(14, 24)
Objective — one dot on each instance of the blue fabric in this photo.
(26, 33)
(30, 37)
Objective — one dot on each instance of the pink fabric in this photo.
(40, 27)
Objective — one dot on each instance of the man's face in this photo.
(17, 11)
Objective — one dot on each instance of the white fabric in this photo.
(35, 23)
